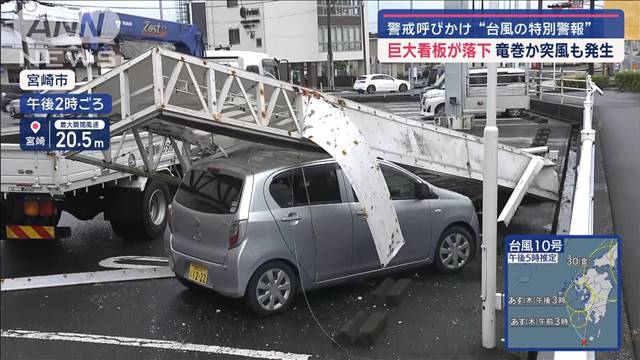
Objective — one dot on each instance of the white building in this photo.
(295, 31)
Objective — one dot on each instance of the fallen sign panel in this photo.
(331, 129)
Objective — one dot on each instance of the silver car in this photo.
(264, 223)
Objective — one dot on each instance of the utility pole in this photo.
(592, 6)
(329, 50)
(160, 7)
(411, 84)
(25, 46)
(364, 45)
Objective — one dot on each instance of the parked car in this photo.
(432, 102)
(9, 92)
(379, 82)
(263, 224)
(512, 92)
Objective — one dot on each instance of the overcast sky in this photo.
(145, 8)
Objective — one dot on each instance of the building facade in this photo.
(295, 31)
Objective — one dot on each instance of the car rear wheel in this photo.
(271, 289)
(371, 89)
(403, 88)
(514, 112)
(454, 250)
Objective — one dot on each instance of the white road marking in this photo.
(36, 282)
(402, 106)
(116, 262)
(405, 112)
(151, 343)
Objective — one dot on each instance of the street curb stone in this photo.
(372, 328)
(397, 292)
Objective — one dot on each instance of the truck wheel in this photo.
(154, 209)
(152, 219)
(439, 110)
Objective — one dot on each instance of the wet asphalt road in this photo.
(618, 128)
(440, 317)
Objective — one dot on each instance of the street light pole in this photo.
(489, 212)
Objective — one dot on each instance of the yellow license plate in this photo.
(198, 273)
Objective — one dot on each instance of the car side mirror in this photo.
(424, 192)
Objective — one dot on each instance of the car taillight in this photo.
(236, 233)
(170, 218)
(31, 207)
(46, 208)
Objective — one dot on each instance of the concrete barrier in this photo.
(565, 112)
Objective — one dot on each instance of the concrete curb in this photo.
(383, 97)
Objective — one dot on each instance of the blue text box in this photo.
(65, 104)
(487, 24)
(64, 134)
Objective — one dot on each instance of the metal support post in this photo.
(489, 212)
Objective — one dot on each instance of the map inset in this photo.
(562, 292)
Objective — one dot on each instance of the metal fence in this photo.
(558, 84)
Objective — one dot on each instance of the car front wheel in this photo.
(403, 88)
(454, 250)
(271, 289)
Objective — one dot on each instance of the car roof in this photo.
(257, 158)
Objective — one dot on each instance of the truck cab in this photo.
(252, 61)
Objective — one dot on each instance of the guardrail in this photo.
(557, 83)
(582, 210)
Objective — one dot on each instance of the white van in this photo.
(257, 62)
(513, 94)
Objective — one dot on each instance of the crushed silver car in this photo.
(265, 222)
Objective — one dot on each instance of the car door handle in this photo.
(291, 217)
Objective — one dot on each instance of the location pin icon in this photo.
(35, 127)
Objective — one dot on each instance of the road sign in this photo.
(562, 293)
(38, 134)
(562, 36)
(65, 104)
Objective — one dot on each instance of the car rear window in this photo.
(206, 190)
(362, 78)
